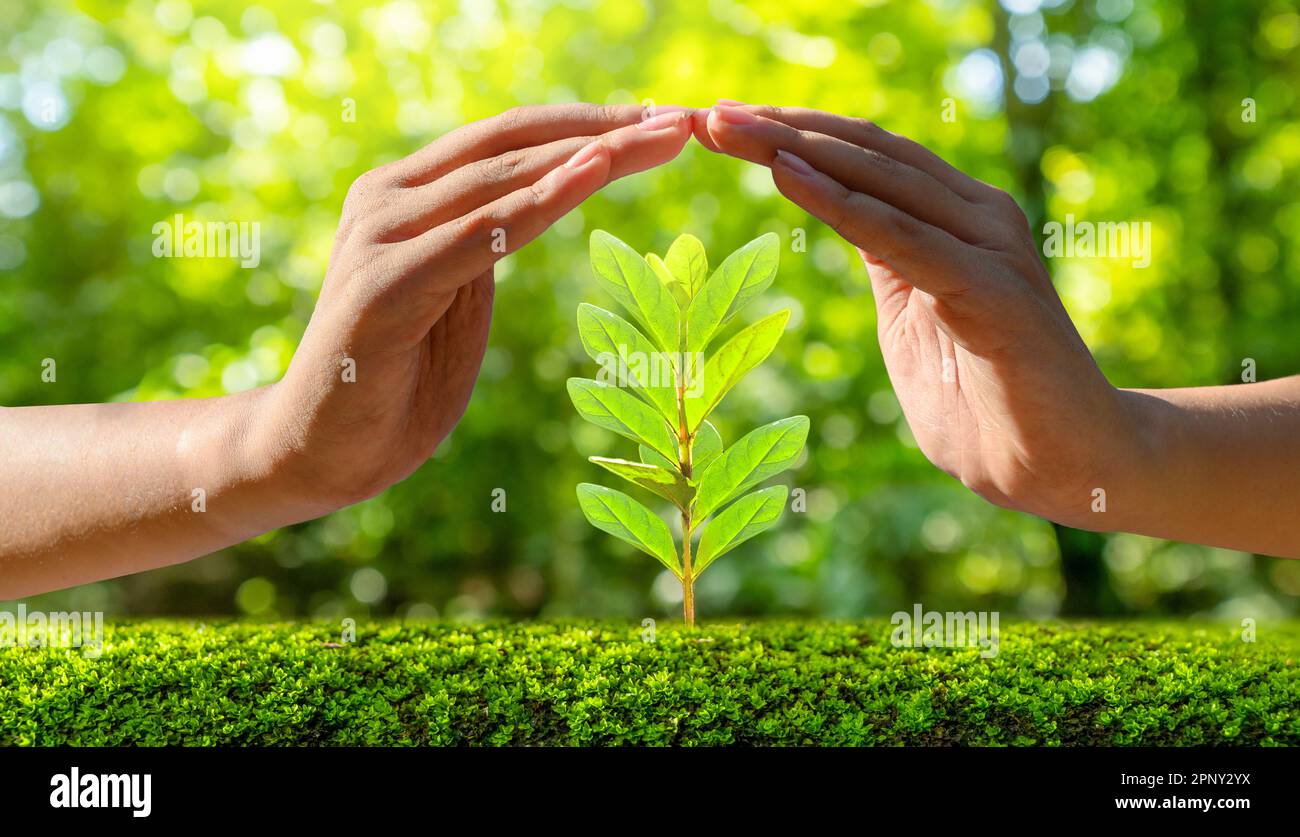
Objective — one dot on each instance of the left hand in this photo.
(408, 295)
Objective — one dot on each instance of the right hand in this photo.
(408, 294)
(996, 383)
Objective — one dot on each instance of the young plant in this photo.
(659, 383)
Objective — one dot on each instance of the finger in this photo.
(469, 245)
(463, 248)
(931, 259)
(700, 128)
(516, 128)
(649, 143)
(631, 149)
(415, 210)
(756, 138)
(868, 134)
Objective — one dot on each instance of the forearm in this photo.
(95, 491)
(1213, 465)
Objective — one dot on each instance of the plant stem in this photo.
(684, 445)
(688, 581)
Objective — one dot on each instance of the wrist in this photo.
(278, 456)
(1131, 456)
(253, 467)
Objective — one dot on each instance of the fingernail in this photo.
(735, 116)
(795, 164)
(584, 155)
(663, 120)
(730, 102)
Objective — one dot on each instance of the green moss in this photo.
(598, 683)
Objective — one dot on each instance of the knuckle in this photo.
(881, 162)
(1018, 216)
(867, 128)
(1004, 200)
(902, 227)
(360, 187)
(1010, 209)
(475, 226)
(505, 166)
(535, 196)
(838, 218)
(369, 228)
(910, 149)
(842, 212)
(370, 185)
(512, 118)
(482, 226)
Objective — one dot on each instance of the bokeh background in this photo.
(114, 116)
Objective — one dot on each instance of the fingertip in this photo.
(722, 131)
(681, 129)
(700, 128)
(666, 130)
(586, 170)
(794, 164)
(591, 153)
(714, 123)
(799, 181)
(633, 149)
(602, 161)
(685, 128)
(671, 143)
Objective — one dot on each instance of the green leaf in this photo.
(744, 519)
(616, 409)
(760, 454)
(730, 363)
(707, 446)
(630, 280)
(681, 295)
(688, 262)
(618, 514)
(667, 483)
(742, 276)
(610, 339)
(651, 457)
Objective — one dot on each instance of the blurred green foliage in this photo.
(114, 116)
(591, 683)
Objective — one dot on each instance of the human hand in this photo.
(407, 299)
(996, 383)
(383, 373)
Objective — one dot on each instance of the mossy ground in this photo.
(777, 683)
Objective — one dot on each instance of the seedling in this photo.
(658, 387)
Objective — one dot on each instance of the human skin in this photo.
(996, 384)
(95, 491)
